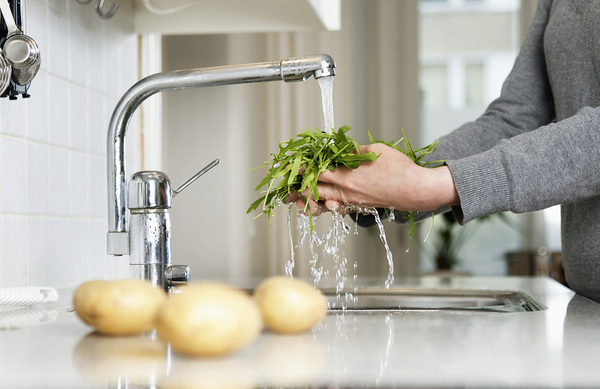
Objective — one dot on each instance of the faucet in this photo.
(145, 232)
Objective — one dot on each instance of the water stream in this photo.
(388, 253)
(326, 84)
(332, 241)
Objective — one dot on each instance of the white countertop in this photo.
(557, 347)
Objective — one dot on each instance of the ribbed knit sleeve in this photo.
(482, 184)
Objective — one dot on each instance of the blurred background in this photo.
(424, 66)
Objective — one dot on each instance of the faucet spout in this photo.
(288, 69)
(301, 68)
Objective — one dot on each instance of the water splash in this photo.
(388, 253)
(330, 244)
(303, 226)
(391, 215)
(333, 240)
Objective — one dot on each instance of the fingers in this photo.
(293, 197)
(317, 208)
(314, 208)
(333, 205)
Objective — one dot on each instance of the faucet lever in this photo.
(196, 176)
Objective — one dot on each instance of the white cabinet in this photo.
(175, 17)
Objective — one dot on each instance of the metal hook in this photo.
(108, 14)
(84, 1)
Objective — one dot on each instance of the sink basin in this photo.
(394, 300)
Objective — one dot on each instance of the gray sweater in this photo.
(538, 144)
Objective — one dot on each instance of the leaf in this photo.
(316, 152)
(295, 169)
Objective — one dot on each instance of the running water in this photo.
(291, 263)
(303, 226)
(332, 241)
(388, 253)
(328, 245)
(326, 84)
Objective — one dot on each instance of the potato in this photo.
(289, 305)
(80, 298)
(121, 307)
(209, 319)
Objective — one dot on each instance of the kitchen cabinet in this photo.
(180, 17)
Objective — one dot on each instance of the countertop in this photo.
(558, 347)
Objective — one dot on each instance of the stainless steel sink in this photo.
(394, 300)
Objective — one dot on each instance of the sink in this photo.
(402, 300)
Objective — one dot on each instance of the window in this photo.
(434, 82)
(474, 85)
(466, 50)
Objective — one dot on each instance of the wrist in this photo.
(439, 189)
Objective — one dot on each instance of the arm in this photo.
(553, 165)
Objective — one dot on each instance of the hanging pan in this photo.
(20, 50)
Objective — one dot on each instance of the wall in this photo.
(53, 146)
(375, 89)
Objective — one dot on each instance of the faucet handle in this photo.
(149, 189)
(196, 176)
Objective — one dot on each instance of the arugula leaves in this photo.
(315, 152)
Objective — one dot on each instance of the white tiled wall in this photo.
(53, 146)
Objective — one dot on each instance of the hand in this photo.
(392, 181)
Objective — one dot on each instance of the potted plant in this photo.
(449, 237)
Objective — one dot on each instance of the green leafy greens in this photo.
(314, 152)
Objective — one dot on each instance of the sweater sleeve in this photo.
(555, 164)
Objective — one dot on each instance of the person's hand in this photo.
(392, 181)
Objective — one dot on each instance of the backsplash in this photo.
(53, 147)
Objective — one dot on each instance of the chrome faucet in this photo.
(145, 237)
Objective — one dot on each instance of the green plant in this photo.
(449, 237)
(299, 162)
